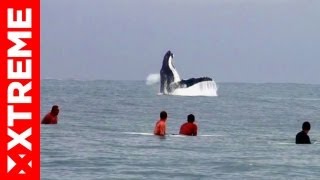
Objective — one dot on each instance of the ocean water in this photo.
(247, 132)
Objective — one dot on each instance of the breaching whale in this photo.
(172, 84)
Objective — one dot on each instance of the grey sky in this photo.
(229, 40)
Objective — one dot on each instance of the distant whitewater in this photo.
(205, 88)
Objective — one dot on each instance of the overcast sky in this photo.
(229, 40)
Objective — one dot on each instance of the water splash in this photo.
(205, 88)
(153, 79)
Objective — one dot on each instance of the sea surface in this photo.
(247, 132)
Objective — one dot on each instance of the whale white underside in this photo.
(204, 88)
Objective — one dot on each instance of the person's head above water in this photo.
(163, 115)
(55, 110)
(306, 126)
(191, 118)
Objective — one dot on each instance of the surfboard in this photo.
(151, 134)
(210, 135)
(139, 133)
(175, 135)
(284, 143)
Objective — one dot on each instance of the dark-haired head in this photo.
(55, 110)
(191, 118)
(55, 107)
(306, 126)
(163, 115)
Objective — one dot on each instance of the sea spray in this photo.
(153, 79)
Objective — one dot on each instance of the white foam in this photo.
(153, 79)
(205, 88)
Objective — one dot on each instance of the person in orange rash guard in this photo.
(51, 117)
(160, 127)
(189, 128)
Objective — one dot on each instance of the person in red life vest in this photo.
(160, 127)
(51, 117)
(189, 128)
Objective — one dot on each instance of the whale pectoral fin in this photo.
(192, 81)
(188, 82)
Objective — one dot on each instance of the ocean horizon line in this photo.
(137, 80)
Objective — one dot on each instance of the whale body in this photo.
(172, 84)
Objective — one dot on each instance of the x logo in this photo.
(19, 139)
(19, 164)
